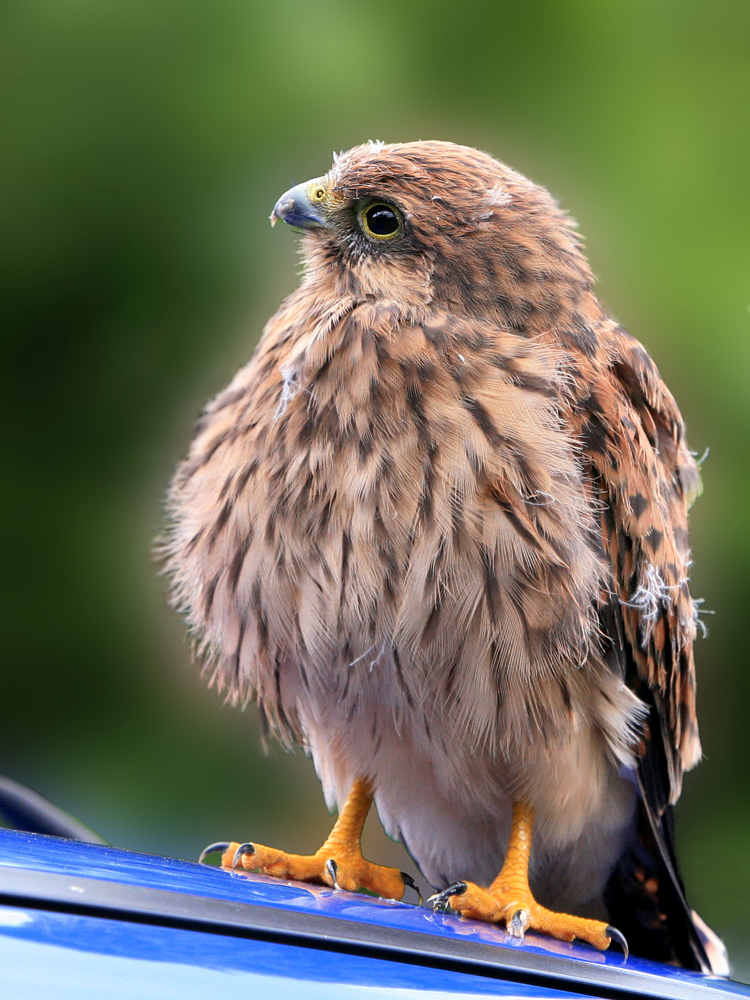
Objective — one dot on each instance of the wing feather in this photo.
(643, 481)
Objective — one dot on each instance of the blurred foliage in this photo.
(144, 143)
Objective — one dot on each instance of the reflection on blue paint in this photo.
(61, 956)
(150, 946)
(112, 864)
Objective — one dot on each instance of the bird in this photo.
(436, 528)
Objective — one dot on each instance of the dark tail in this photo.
(645, 894)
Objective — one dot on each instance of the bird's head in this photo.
(437, 224)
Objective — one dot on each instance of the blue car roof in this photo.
(99, 886)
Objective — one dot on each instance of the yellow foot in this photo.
(519, 911)
(338, 863)
(332, 865)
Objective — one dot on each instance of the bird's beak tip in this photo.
(295, 208)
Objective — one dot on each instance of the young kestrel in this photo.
(437, 527)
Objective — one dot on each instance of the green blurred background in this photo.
(143, 145)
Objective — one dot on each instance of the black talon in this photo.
(408, 880)
(440, 899)
(242, 849)
(615, 935)
(332, 868)
(222, 846)
(518, 923)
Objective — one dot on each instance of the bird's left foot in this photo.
(519, 911)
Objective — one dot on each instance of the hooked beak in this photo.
(296, 209)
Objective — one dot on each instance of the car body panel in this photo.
(66, 955)
(151, 925)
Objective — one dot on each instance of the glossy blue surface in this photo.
(58, 956)
(115, 865)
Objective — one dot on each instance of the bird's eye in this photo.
(380, 221)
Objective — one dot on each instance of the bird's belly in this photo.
(445, 709)
(450, 803)
(389, 615)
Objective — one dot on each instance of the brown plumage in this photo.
(437, 527)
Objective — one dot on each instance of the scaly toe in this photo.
(480, 904)
(566, 927)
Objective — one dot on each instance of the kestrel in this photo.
(437, 528)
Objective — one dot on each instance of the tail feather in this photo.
(646, 900)
(645, 894)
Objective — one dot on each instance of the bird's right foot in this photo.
(338, 863)
(338, 866)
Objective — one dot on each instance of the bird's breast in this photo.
(400, 494)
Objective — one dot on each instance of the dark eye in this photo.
(380, 221)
